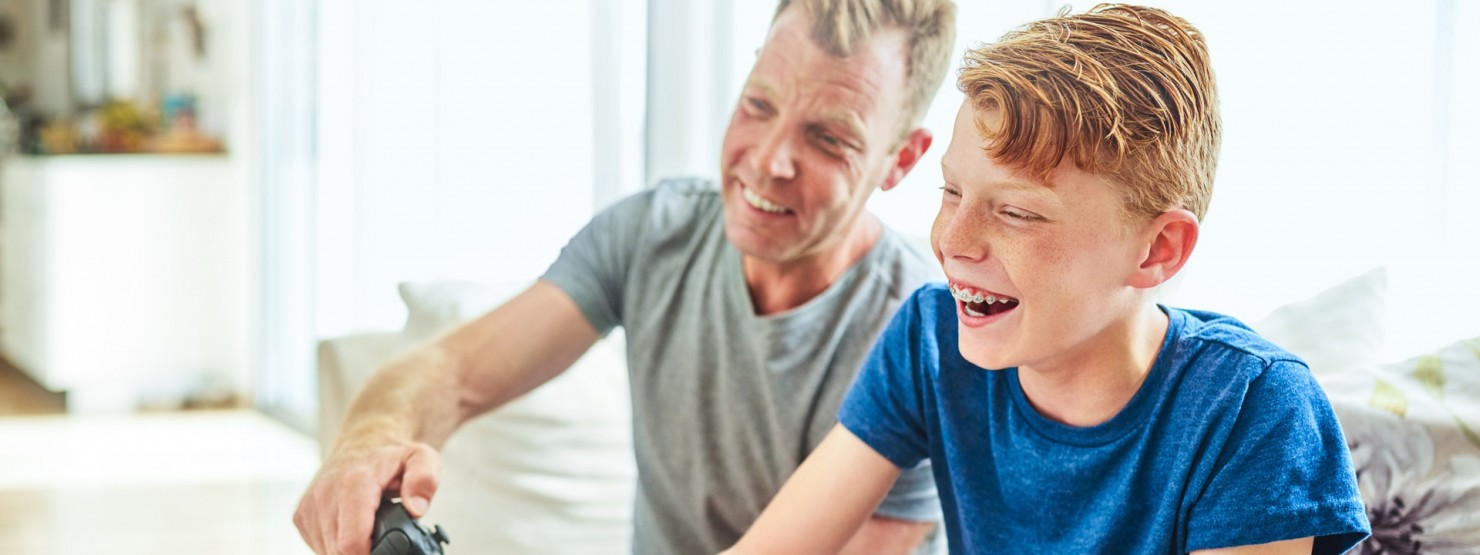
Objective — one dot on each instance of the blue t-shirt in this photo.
(1228, 442)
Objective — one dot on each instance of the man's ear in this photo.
(1168, 242)
(915, 145)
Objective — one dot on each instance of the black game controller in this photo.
(396, 533)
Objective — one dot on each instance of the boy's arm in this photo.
(411, 405)
(825, 502)
(881, 535)
(1300, 546)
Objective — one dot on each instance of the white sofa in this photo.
(552, 472)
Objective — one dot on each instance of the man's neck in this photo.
(1102, 379)
(777, 287)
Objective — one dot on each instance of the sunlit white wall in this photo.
(1352, 140)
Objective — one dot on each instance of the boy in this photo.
(1063, 410)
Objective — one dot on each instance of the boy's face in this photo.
(1056, 257)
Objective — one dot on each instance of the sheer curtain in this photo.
(465, 139)
(283, 155)
(445, 139)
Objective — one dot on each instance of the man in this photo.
(748, 307)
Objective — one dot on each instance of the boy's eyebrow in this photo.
(1015, 183)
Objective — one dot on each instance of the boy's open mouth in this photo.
(982, 304)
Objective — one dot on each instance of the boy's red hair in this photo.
(1126, 92)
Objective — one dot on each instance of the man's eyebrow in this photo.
(846, 119)
(766, 89)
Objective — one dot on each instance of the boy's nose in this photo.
(962, 237)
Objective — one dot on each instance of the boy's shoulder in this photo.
(1203, 331)
(932, 301)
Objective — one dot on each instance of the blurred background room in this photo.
(217, 215)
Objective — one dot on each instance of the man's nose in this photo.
(775, 156)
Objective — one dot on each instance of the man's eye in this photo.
(757, 104)
(949, 191)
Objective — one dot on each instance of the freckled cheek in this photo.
(1034, 266)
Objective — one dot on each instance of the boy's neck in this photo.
(1093, 385)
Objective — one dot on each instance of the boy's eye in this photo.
(950, 191)
(1021, 215)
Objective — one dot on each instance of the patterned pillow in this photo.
(1414, 432)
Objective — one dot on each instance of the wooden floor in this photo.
(20, 395)
(219, 482)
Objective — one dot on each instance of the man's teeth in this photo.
(965, 296)
(760, 202)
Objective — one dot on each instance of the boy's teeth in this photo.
(964, 296)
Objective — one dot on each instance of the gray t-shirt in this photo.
(726, 404)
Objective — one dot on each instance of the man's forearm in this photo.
(412, 398)
(425, 395)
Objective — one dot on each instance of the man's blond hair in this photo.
(1126, 92)
(841, 26)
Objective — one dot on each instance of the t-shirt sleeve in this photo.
(593, 267)
(913, 496)
(884, 407)
(1284, 473)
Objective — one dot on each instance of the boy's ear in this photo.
(914, 146)
(1170, 239)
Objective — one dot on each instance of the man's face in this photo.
(1057, 258)
(811, 138)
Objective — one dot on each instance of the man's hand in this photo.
(337, 511)
(416, 401)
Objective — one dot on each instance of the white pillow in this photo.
(1339, 328)
(436, 306)
(549, 473)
